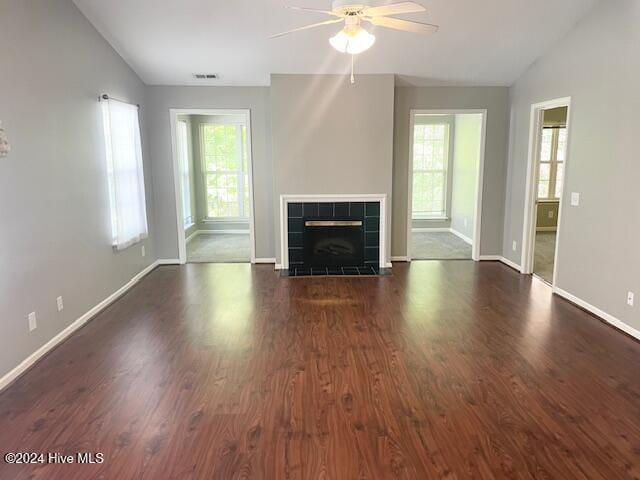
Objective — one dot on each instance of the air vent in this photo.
(205, 76)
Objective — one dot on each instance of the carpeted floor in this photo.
(219, 248)
(544, 253)
(438, 246)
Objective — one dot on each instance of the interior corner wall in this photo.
(192, 175)
(330, 136)
(54, 200)
(496, 101)
(466, 160)
(256, 99)
(597, 64)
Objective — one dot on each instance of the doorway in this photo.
(446, 154)
(545, 188)
(214, 194)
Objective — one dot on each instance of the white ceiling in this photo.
(480, 42)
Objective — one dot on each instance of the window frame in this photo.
(447, 122)
(553, 163)
(243, 187)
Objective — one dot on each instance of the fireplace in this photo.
(327, 237)
(336, 242)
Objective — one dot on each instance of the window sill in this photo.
(548, 200)
(189, 225)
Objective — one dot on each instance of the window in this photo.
(185, 172)
(225, 167)
(430, 161)
(125, 173)
(553, 151)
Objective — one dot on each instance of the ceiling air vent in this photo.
(205, 76)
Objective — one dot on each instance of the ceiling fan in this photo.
(354, 39)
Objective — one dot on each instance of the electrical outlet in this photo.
(33, 324)
(60, 304)
(144, 253)
(630, 299)
(514, 246)
(550, 213)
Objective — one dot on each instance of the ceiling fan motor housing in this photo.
(349, 7)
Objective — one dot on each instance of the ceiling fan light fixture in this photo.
(352, 39)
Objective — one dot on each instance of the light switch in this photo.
(575, 199)
(33, 324)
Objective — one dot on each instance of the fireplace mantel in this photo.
(327, 198)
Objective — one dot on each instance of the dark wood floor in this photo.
(446, 370)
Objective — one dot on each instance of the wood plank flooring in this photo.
(446, 370)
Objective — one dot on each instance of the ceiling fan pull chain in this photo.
(353, 80)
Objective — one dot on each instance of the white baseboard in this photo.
(399, 259)
(430, 229)
(278, 266)
(191, 237)
(12, 375)
(224, 232)
(168, 261)
(511, 264)
(265, 260)
(388, 265)
(610, 319)
(500, 258)
(461, 236)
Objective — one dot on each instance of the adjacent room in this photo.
(213, 159)
(320, 239)
(552, 154)
(446, 152)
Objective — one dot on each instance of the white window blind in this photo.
(185, 170)
(125, 173)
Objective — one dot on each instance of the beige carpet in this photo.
(219, 248)
(544, 254)
(438, 246)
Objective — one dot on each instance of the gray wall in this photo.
(495, 100)
(547, 215)
(160, 100)
(598, 65)
(54, 201)
(466, 160)
(332, 137)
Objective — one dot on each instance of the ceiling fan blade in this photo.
(327, 22)
(313, 10)
(394, 9)
(405, 25)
